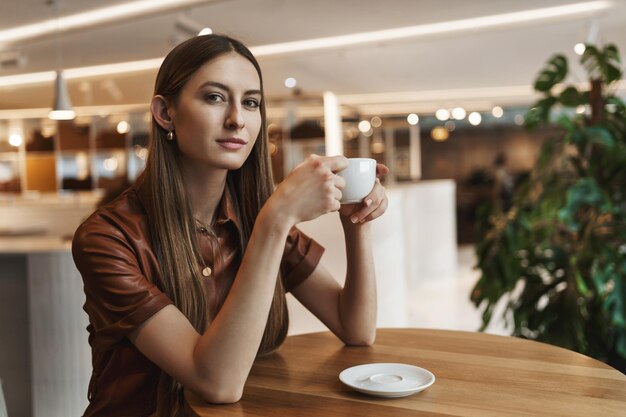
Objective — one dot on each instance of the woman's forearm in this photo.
(357, 302)
(226, 351)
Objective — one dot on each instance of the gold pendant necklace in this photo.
(202, 228)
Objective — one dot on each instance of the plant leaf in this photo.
(612, 73)
(566, 123)
(585, 193)
(599, 135)
(553, 73)
(605, 63)
(571, 97)
(539, 113)
(612, 54)
(572, 203)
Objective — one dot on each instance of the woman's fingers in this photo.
(376, 213)
(340, 182)
(381, 170)
(335, 163)
(337, 193)
(312, 188)
(370, 204)
(327, 198)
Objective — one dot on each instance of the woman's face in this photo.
(218, 117)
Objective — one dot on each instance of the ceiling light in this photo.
(62, 109)
(290, 82)
(458, 113)
(111, 164)
(435, 95)
(579, 48)
(272, 49)
(506, 19)
(82, 72)
(15, 139)
(365, 126)
(376, 121)
(99, 111)
(110, 69)
(442, 114)
(497, 112)
(449, 125)
(518, 119)
(439, 134)
(591, 39)
(62, 114)
(145, 7)
(25, 79)
(123, 127)
(474, 118)
(413, 119)
(92, 18)
(141, 152)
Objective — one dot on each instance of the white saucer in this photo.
(389, 380)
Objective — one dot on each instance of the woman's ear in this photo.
(161, 112)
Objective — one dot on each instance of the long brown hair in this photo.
(169, 211)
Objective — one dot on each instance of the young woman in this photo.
(185, 273)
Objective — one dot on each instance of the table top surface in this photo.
(477, 375)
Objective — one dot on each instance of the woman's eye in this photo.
(213, 97)
(253, 103)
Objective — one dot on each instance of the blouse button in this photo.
(206, 272)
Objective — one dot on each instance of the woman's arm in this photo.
(349, 312)
(216, 364)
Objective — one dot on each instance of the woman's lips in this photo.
(232, 143)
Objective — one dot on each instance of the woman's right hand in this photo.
(310, 190)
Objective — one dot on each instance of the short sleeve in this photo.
(119, 297)
(301, 256)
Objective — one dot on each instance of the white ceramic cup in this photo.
(360, 176)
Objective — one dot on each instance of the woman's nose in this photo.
(234, 118)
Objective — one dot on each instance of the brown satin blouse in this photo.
(113, 253)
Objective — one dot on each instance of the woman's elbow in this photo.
(221, 395)
(360, 339)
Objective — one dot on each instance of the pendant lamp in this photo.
(62, 109)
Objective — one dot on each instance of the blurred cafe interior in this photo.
(439, 91)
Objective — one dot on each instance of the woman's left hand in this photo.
(372, 206)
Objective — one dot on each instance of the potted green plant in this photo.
(557, 259)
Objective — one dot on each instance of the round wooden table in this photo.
(477, 375)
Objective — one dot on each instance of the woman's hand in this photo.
(311, 189)
(372, 206)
